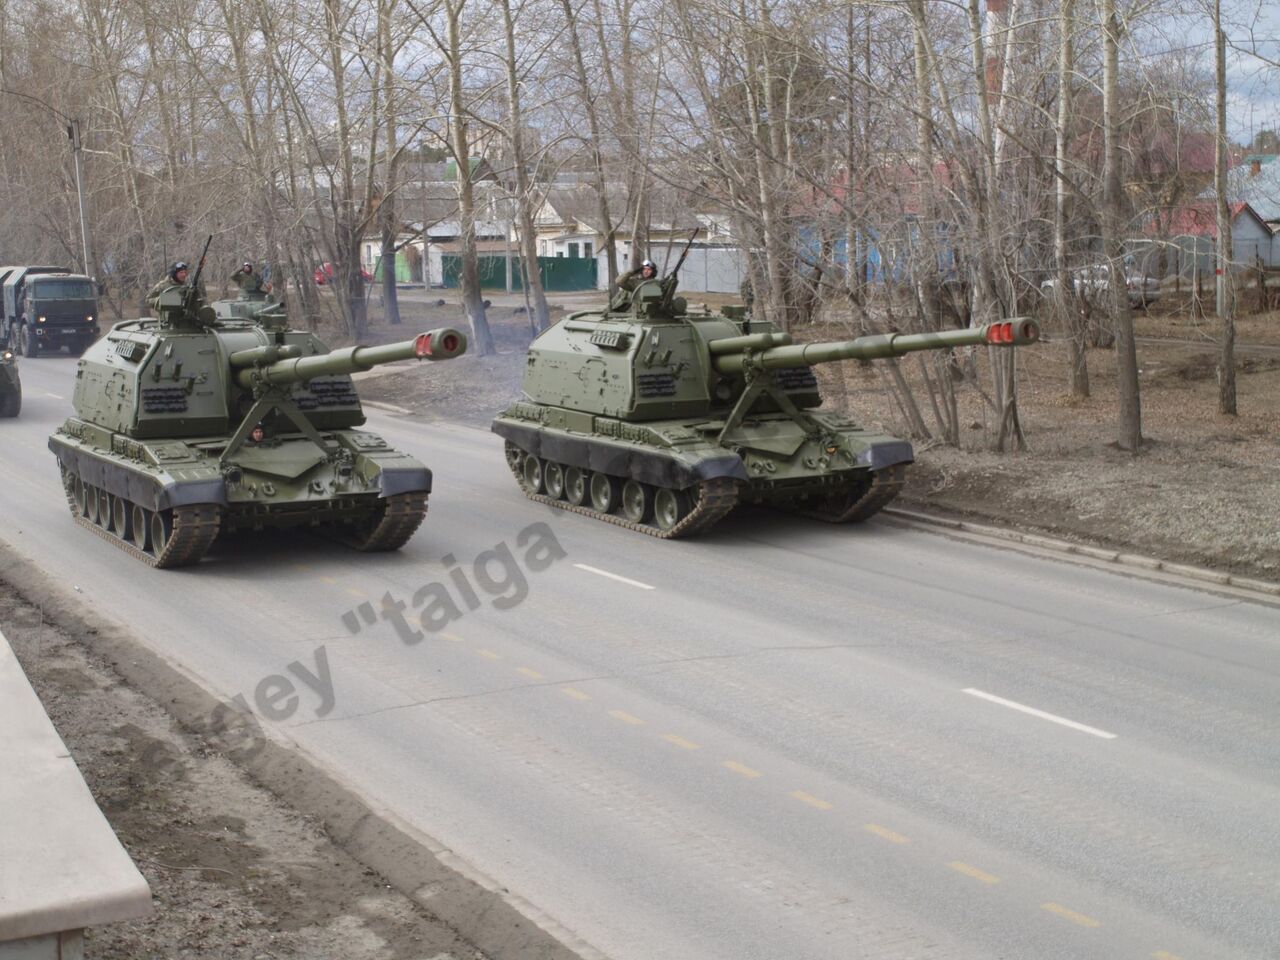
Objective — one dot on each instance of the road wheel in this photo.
(553, 479)
(104, 509)
(606, 491)
(637, 501)
(120, 517)
(575, 486)
(161, 523)
(140, 524)
(670, 507)
(514, 454)
(27, 342)
(532, 471)
(91, 503)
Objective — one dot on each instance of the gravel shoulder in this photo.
(235, 873)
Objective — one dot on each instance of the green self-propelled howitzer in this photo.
(661, 419)
(188, 425)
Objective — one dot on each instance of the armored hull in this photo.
(183, 431)
(660, 419)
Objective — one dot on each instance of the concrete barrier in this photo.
(61, 867)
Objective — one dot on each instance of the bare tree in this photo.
(1129, 427)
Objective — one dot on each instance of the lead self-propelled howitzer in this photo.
(661, 419)
(188, 425)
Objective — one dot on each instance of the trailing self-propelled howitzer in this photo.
(188, 424)
(660, 418)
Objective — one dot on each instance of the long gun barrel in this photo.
(733, 354)
(443, 344)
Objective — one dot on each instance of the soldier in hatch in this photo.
(250, 281)
(648, 270)
(176, 277)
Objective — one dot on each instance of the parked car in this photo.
(1093, 280)
(324, 274)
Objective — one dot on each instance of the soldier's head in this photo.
(648, 269)
(178, 272)
(247, 268)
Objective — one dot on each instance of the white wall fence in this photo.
(707, 269)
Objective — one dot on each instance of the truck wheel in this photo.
(27, 345)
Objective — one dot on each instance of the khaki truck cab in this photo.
(45, 308)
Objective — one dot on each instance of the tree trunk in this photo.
(472, 302)
(1068, 306)
(531, 273)
(1226, 286)
(1129, 428)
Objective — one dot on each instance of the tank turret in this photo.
(198, 422)
(659, 418)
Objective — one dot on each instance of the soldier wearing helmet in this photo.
(249, 281)
(176, 277)
(648, 270)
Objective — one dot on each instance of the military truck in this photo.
(45, 308)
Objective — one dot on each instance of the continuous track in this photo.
(714, 500)
(861, 504)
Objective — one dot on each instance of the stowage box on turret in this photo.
(220, 417)
(661, 419)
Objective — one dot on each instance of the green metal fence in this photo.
(559, 274)
(404, 273)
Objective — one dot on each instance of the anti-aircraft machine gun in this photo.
(189, 424)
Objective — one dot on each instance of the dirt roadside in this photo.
(1205, 489)
(234, 872)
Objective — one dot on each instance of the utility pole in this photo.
(73, 132)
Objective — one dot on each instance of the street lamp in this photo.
(73, 134)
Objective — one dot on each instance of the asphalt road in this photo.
(784, 740)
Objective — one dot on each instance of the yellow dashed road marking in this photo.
(737, 767)
(974, 872)
(680, 741)
(489, 654)
(625, 717)
(1165, 955)
(575, 693)
(1066, 914)
(352, 592)
(529, 672)
(885, 832)
(810, 799)
(303, 567)
(329, 580)
(453, 637)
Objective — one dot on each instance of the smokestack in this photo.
(995, 48)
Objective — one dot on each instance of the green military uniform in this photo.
(633, 278)
(250, 284)
(168, 283)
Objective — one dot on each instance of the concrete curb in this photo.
(388, 407)
(501, 924)
(1138, 564)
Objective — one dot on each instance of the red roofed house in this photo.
(1193, 229)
